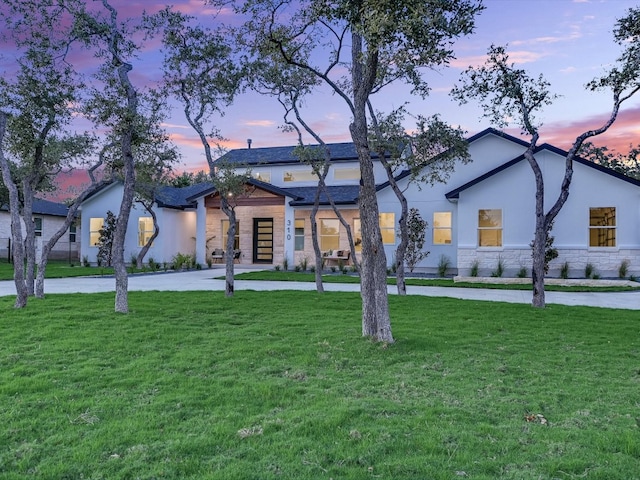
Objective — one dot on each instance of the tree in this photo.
(416, 227)
(37, 99)
(199, 71)
(506, 92)
(628, 164)
(367, 45)
(428, 156)
(106, 240)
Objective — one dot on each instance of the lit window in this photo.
(145, 230)
(329, 234)
(346, 173)
(225, 230)
(357, 234)
(72, 233)
(37, 222)
(262, 176)
(299, 234)
(442, 228)
(602, 227)
(490, 228)
(300, 176)
(95, 225)
(387, 228)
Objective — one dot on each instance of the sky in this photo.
(569, 42)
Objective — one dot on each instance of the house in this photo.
(48, 218)
(483, 214)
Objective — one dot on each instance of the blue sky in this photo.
(568, 41)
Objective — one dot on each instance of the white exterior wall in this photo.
(177, 227)
(488, 153)
(513, 191)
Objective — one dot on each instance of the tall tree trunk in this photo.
(315, 243)
(156, 231)
(30, 235)
(16, 227)
(376, 322)
(230, 212)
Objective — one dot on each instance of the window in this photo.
(225, 229)
(490, 228)
(95, 225)
(602, 227)
(37, 221)
(357, 234)
(145, 230)
(442, 228)
(300, 176)
(262, 176)
(299, 234)
(347, 173)
(388, 227)
(329, 234)
(72, 232)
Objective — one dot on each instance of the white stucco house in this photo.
(483, 213)
(48, 217)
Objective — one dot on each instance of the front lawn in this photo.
(280, 385)
(58, 269)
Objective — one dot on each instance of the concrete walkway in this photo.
(204, 280)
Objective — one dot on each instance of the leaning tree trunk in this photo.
(16, 227)
(231, 240)
(30, 236)
(315, 243)
(156, 231)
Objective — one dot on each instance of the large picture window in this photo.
(145, 230)
(442, 228)
(262, 176)
(346, 173)
(95, 225)
(490, 228)
(602, 227)
(225, 230)
(299, 234)
(388, 228)
(329, 234)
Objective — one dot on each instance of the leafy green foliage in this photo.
(105, 241)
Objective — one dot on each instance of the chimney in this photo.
(249, 143)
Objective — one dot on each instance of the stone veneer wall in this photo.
(606, 262)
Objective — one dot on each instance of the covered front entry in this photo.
(263, 240)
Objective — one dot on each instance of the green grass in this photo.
(58, 269)
(288, 276)
(280, 385)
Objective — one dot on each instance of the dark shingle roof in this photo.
(284, 155)
(45, 207)
(341, 195)
(181, 198)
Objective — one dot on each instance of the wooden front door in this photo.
(263, 240)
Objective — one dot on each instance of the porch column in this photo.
(289, 232)
(201, 232)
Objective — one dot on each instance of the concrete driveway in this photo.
(205, 280)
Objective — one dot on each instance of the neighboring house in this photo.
(484, 213)
(48, 218)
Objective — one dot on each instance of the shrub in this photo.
(133, 260)
(153, 265)
(564, 270)
(623, 269)
(522, 273)
(499, 271)
(277, 268)
(443, 265)
(416, 227)
(85, 261)
(297, 268)
(285, 263)
(475, 267)
(589, 270)
(312, 269)
(183, 260)
(303, 264)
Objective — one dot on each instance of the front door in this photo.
(263, 240)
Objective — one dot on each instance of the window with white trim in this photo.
(602, 227)
(441, 228)
(95, 225)
(490, 227)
